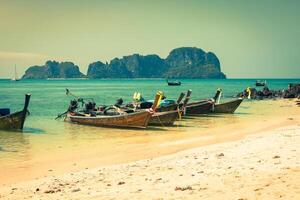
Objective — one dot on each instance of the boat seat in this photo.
(4, 111)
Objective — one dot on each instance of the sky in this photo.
(252, 39)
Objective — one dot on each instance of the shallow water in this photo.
(45, 138)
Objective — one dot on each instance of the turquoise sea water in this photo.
(49, 98)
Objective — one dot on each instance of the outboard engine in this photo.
(73, 105)
(217, 96)
(90, 106)
(266, 92)
(119, 103)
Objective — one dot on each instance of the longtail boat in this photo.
(195, 108)
(260, 83)
(116, 118)
(173, 83)
(166, 113)
(164, 118)
(199, 107)
(14, 121)
(226, 107)
(138, 119)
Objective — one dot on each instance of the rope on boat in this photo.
(179, 113)
(162, 124)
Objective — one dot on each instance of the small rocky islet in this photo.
(184, 62)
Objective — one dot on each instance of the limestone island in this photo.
(184, 62)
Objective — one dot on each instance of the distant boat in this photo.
(15, 78)
(260, 83)
(173, 83)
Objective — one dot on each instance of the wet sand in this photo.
(222, 160)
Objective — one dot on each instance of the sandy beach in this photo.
(261, 162)
(149, 100)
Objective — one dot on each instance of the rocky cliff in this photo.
(53, 69)
(185, 62)
(134, 66)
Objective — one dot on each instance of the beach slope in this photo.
(261, 166)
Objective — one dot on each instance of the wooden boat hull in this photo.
(15, 121)
(132, 120)
(196, 108)
(227, 107)
(163, 118)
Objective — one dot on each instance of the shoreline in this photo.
(265, 166)
(127, 148)
(178, 163)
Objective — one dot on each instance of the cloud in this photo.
(21, 55)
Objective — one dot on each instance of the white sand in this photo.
(262, 166)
